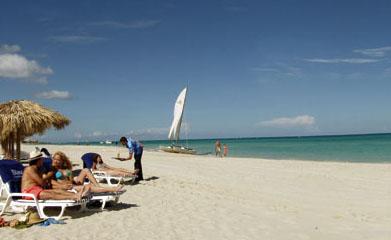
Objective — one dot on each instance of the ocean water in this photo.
(371, 148)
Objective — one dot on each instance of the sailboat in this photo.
(173, 135)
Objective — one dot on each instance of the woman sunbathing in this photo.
(64, 179)
(99, 165)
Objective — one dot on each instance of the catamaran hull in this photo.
(178, 149)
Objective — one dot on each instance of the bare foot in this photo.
(120, 189)
(79, 194)
(86, 192)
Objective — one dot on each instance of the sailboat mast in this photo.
(183, 113)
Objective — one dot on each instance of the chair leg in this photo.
(83, 207)
(103, 204)
(61, 213)
(109, 181)
(40, 209)
(6, 204)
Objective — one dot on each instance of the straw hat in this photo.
(33, 218)
(34, 155)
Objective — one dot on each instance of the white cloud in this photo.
(9, 49)
(342, 60)
(76, 39)
(286, 122)
(54, 94)
(140, 24)
(374, 52)
(18, 66)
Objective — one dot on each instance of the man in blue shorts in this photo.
(136, 149)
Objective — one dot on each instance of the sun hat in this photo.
(33, 218)
(34, 155)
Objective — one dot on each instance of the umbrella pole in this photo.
(18, 145)
(12, 146)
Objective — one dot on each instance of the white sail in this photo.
(178, 113)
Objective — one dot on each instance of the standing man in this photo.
(137, 149)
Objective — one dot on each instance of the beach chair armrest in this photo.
(29, 195)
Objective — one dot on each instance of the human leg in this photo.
(123, 171)
(58, 194)
(118, 172)
(86, 174)
(138, 167)
(84, 189)
(96, 189)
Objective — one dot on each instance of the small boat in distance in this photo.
(173, 135)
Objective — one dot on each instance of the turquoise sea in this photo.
(372, 148)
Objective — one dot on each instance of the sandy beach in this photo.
(203, 197)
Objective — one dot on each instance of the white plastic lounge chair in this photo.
(40, 205)
(102, 175)
(106, 197)
(102, 197)
(111, 180)
(14, 198)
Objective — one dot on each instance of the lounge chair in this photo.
(11, 172)
(102, 197)
(102, 175)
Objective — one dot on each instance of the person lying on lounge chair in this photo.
(34, 182)
(99, 165)
(62, 167)
(63, 179)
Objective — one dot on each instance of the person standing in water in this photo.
(225, 149)
(218, 148)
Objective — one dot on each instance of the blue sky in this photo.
(254, 68)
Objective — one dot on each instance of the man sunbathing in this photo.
(34, 182)
(62, 177)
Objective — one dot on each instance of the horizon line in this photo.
(229, 138)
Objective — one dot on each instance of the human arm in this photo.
(126, 159)
(93, 166)
(48, 176)
(130, 156)
(33, 177)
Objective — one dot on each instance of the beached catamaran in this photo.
(173, 135)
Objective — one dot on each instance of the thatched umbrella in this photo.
(21, 118)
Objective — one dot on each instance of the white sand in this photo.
(200, 197)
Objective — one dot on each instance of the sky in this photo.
(253, 68)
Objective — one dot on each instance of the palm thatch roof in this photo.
(22, 118)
